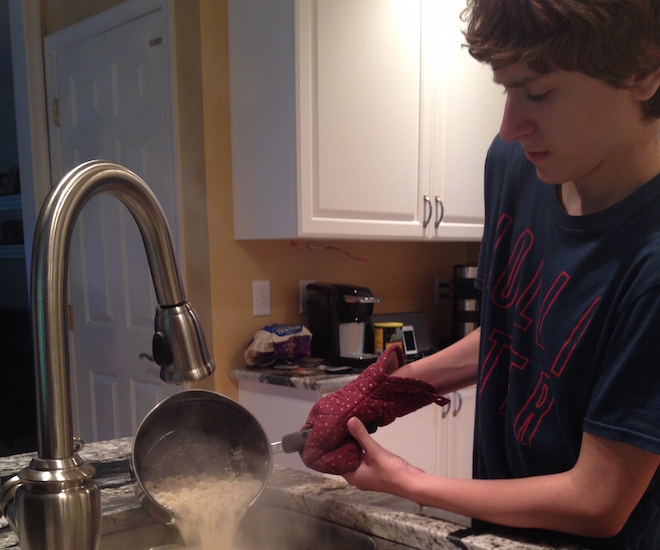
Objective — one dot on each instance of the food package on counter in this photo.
(278, 343)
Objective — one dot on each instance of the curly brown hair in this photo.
(611, 40)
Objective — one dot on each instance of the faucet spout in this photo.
(188, 358)
(57, 486)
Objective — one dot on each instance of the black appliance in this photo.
(340, 323)
(467, 301)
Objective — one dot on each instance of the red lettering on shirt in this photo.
(519, 287)
(500, 343)
(505, 291)
(526, 299)
(575, 336)
(550, 297)
(534, 411)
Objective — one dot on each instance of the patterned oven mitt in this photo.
(376, 398)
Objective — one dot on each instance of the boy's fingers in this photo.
(358, 430)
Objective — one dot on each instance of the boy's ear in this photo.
(645, 86)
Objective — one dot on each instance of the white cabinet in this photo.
(280, 410)
(439, 440)
(456, 434)
(436, 439)
(414, 438)
(462, 109)
(356, 119)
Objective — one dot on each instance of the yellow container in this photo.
(386, 335)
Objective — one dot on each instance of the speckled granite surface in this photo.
(331, 498)
(315, 379)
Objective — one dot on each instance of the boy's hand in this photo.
(376, 398)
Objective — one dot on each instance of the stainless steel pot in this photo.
(201, 432)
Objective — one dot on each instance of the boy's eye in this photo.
(536, 98)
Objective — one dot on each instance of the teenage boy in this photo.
(567, 359)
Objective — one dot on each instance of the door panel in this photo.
(113, 85)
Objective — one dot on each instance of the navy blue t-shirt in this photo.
(570, 337)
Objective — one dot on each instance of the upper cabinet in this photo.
(357, 119)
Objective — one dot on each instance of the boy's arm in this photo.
(594, 498)
(449, 369)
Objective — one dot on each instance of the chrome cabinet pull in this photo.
(428, 207)
(445, 410)
(459, 405)
(439, 211)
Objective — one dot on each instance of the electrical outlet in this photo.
(441, 291)
(302, 289)
(260, 298)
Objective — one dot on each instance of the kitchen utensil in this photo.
(202, 432)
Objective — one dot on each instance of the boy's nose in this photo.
(515, 122)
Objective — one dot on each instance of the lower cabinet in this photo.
(280, 410)
(439, 440)
(457, 434)
(436, 439)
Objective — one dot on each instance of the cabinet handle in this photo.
(428, 206)
(458, 404)
(445, 410)
(439, 209)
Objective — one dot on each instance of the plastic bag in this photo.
(278, 343)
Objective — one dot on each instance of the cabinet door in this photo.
(280, 410)
(414, 438)
(357, 119)
(455, 429)
(359, 78)
(465, 108)
(460, 433)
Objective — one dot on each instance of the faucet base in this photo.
(54, 504)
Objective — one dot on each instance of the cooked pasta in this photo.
(208, 509)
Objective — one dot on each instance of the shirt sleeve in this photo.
(625, 402)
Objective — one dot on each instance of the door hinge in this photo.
(71, 317)
(56, 111)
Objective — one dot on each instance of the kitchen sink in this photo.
(144, 537)
(266, 528)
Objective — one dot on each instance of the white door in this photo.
(110, 77)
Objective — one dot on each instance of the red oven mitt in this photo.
(376, 398)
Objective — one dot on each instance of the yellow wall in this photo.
(400, 274)
(219, 274)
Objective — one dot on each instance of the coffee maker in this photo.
(340, 323)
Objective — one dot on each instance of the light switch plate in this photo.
(303, 294)
(260, 298)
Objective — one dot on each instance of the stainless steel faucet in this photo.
(54, 503)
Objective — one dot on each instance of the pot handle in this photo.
(295, 442)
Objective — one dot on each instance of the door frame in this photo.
(31, 115)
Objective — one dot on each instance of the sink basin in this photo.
(266, 528)
(144, 537)
(278, 529)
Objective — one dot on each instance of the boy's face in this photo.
(573, 128)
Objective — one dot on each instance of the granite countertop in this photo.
(328, 497)
(301, 377)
